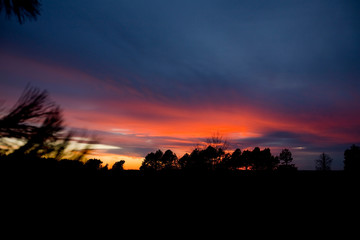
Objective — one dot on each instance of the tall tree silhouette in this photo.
(263, 160)
(352, 158)
(286, 159)
(246, 159)
(212, 156)
(270, 162)
(183, 162)
(235, 160)
(256, 159)
(152, 161)
(323, 163)
(22, 9)
(169, 160)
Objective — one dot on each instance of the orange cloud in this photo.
(134, 118)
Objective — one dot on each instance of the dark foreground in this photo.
(119, 183)
(213, 204)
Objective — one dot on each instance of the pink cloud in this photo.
(150, 122)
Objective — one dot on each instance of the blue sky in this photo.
(276, 73)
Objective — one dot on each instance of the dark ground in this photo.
(168, 205)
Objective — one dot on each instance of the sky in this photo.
(145, 75)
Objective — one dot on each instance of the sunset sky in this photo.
(142, 75)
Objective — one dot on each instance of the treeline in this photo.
(35, 124)
(213, 158)
(210, 159)
(32, 165)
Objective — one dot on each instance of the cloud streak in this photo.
(266, 73)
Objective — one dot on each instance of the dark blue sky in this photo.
(284, 72)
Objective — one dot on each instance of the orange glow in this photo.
(185, 125)
(131, 162)
(133, 119)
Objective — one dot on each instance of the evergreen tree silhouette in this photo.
(22, 9)
(37, 121)
(323, 163)
(352, 158)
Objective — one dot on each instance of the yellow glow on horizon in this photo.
(131, 162)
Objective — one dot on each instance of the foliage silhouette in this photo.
(70, 164)
(352, 158)
(323, 163)
(246, 159)
(36, 124)
(93, 164)
(31, 109)
(286, 157)
(152, 161)
(22, 9)
(212, 159)
(118, 166)
(160, 161)
(204, 160)
(234, 161)
(286, 165)
(169, 160)
(217, 141)
(183, 161)
(263, 160)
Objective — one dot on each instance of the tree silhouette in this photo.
(246, 159)
(36, 124)
(118, 166)
(169, 160)
(205, 160)
(270, 162)
(233, 161)
(286, 159)
(195, 162)
(256, 159)
(32, 108)
(183, 162)
(152, 161)
(217, 141)
(352, 158)
(93, 164)
(213, 158)
(22, 9)
(160, 161)
(35, 120)
(323, 163)
(263, 160)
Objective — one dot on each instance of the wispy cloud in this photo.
(160, 74)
